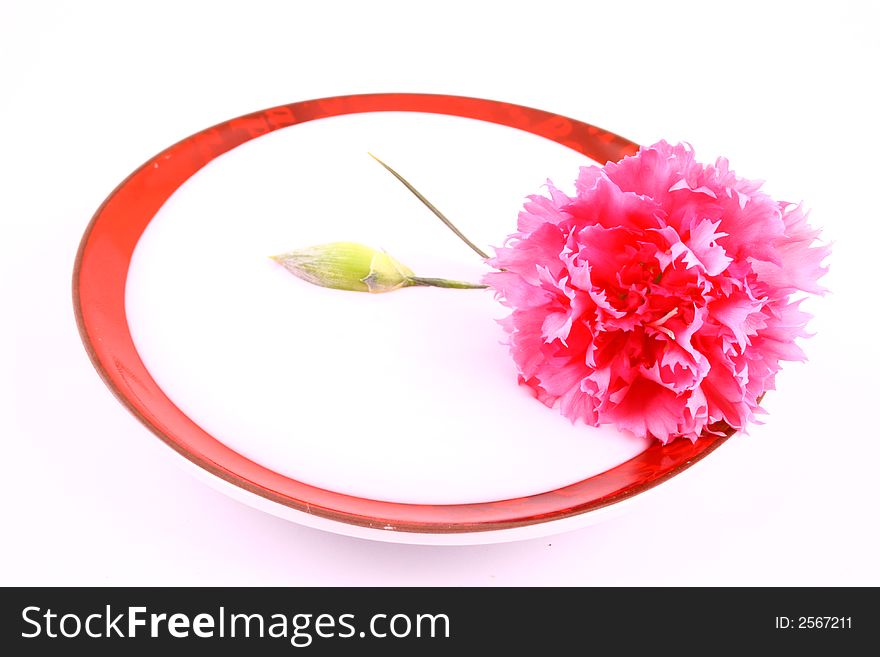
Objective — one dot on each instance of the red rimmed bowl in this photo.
(99, 291)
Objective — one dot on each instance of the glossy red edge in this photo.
(99, 278)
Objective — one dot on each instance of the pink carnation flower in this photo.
(659, 298)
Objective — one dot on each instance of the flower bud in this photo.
(347, 266)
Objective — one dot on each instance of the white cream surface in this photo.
(409, 396)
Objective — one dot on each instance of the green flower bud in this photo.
(347, 266)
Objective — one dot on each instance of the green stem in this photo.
(445, 282)
(433, 209)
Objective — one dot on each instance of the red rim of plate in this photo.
(99, 303)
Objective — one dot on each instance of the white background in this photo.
(90, 90)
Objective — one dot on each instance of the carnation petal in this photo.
(733, 313)
(703, 244)
(605, 204)
(648, 409)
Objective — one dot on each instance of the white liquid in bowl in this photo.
(406, 397)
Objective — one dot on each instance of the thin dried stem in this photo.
(433, 209)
